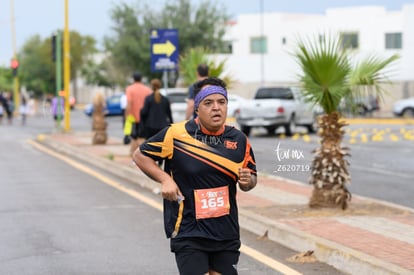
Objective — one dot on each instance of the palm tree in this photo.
(328, 78)
(195, 56)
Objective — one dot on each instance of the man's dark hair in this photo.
(202, 70)
(208, 81)
(137, 76)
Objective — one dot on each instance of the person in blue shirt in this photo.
(201, 73)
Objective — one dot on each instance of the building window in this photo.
(393, 40)
(227, 47)
(258, 45)
(284, 41)
(349, 40)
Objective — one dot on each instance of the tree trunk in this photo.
(329, 167)
(99, 124)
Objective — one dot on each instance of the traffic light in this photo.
(54, 47)
(14, 66)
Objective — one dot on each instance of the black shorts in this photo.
(137, 130)
(196, 256)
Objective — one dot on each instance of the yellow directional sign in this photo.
(166, 48)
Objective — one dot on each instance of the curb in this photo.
(337, 255)
(334, 254)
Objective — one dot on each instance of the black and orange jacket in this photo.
(199, 160)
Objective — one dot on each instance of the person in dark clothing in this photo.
(201, 73)
(2, 106)
(156, 113)
(8, 106)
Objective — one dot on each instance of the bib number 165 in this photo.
(212, 202)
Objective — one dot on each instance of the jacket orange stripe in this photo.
(179, 219)
(248, 158)
(212, 164)
(205, 152)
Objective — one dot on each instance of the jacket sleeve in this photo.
(145, 108)
(169, 110)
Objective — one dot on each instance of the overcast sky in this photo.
(91, 17)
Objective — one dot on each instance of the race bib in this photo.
(212, 202)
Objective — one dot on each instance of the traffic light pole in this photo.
(58, 57)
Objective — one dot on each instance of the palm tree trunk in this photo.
(329, 167)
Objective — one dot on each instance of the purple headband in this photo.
(209, 90)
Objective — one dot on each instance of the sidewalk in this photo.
(371, 237)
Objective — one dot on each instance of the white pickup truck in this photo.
(273, 107)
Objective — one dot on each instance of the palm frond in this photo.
(369, 70)
(367, 77)
(189, 62)
(325, 68)
(195, 56)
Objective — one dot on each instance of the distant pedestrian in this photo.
(1, 107)
(201, 73)
(9, 107)
(136, 94)
(57, 108)
(123, 104)
(23, 109)
(156, 113)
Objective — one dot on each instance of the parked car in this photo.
(404, 107)
(234, 104)
(178, 101)
(274, 107)
(363, 105)
(176, 96)
(113, 106)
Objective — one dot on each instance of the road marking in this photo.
(306, 138)
(253, 253)
(394, 137)
(260, 257)
(379, 121)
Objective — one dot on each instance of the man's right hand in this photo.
(170, 190)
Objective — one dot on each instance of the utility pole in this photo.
(66, 68)
(16, 95)
(262, 45)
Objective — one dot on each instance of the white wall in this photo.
(278, 64)
(407, 54)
